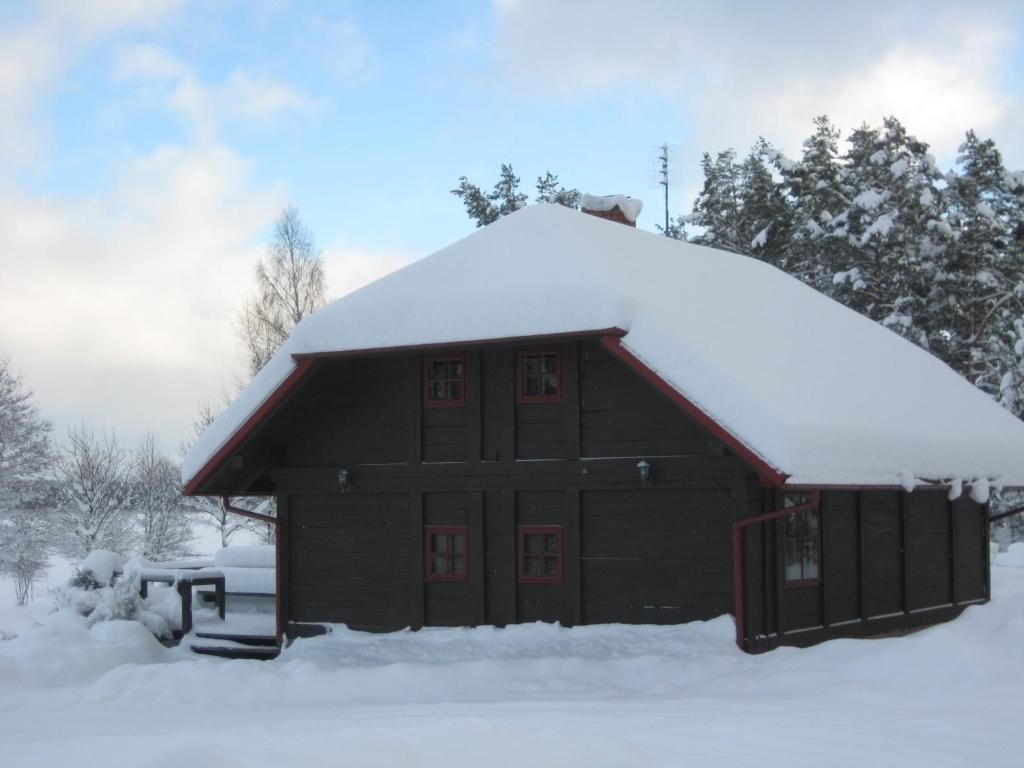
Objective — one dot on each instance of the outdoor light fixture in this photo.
(645, 471)
(343, 480)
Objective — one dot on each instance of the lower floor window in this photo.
(802, 542)
(447, 552)
(541, 553)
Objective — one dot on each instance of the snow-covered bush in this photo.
(103, 590)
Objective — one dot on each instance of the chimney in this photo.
(618, 208)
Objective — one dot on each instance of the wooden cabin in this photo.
(561, 418)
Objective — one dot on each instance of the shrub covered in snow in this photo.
(105, 590)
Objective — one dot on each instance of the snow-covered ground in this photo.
(531, 695)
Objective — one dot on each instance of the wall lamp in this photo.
(344, 480)
(644, 467)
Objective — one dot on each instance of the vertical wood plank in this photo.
(823, 517)
(477, 558)
(573, 564)
(283, 565)
(986, 549)
(510, 598)
(951, 521)
(904, 549)
(416, 595)
(474, 399)
(414, 403)
(861, 572)
(572, 400)
(507, 396)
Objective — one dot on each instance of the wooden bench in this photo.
(185, 581)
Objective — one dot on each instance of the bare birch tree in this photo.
(94, 495)
(164, 521)
(290, 284)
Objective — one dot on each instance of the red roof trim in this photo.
(536, 339)
(302, 368)
(765, 470)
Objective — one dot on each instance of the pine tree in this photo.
(717, 209)
(506, 198)
(763, 212)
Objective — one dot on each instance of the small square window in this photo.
(446, 553)
(539, 376)
(801, 542)
(444, 381)
(541, 553)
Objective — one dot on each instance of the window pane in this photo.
(455, 390)
(551, 363)
(459, 544)
(441, 542)
(440, 565)
(438, 369)
(437, 390)
(553, 566)
(534, 543)
(550, 384)
(455, 369)
(534, 566)
(552, 543)
(459, 565)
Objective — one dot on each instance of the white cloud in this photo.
(747, 68)
(243, 96)
(347, 51)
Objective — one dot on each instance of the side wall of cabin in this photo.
(890, 561)
(645, 553)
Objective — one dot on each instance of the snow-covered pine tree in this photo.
(94, 506)
(26, 530)
(550, 191)
(816, 199)
(164, 522)
(506, 198)
(716, 211)
(893, 229)
(763, 211)
(983, 277)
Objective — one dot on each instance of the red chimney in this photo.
(618, 208)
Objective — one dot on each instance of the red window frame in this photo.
(429, 532)
(522, 532)
(428, 381)
(522, 375)
(808, 508)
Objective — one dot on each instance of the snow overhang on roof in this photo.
(819, 393)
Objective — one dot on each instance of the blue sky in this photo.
(148, 146)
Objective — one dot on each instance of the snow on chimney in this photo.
(612, 207)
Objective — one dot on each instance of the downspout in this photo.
(737, 554)
(226, 501)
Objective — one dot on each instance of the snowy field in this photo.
(531, 695)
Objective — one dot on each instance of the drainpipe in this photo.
(226, 500)
(737, 554)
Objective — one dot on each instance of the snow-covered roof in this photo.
(818, 392)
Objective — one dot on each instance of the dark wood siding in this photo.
(623, 415)
(350, 559)
(657, 557)
(890, 561)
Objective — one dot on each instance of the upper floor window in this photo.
(539, 376)
(447, 552)
(444, 381)
(541, 553)
(802, 541)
